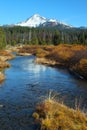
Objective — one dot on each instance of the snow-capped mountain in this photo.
(33, 21)
(39, 21)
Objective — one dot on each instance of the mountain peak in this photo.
(36, 20)
(36, 15)
(33, 21)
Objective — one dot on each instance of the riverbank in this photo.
(45, 61)
(23, 54)
(52, 115)
(4, 57)
(2, 77)
(73, 57)
(53, 63)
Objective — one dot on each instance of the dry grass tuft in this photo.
(56, 116)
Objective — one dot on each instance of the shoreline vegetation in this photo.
(5, 55)
(53, 115)
(2, 77)
(73, 57)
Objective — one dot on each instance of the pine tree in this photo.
(2, 39)
(56, 38)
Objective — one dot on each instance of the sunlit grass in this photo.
(53, 115)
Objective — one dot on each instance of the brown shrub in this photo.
(61, 53)
(41, 53)
(81, 67)
(76, 47)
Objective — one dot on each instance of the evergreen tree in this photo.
(2, 39)
(56, 38)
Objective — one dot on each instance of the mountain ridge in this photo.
(39, 21)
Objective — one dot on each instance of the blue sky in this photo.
(73, 12)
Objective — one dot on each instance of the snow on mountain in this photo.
(53, 20)
(33, 21)
(37, 20)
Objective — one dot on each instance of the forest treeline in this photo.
(41, 36)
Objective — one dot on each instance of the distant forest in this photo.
(42, 36)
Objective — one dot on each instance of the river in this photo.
(27, 83)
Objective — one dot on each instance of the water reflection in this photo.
(35, 68)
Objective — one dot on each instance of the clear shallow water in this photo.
(25, 84)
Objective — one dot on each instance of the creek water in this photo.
(27, 83)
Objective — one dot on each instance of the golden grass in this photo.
(56, 116)
(41, 52)
(4, 56)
